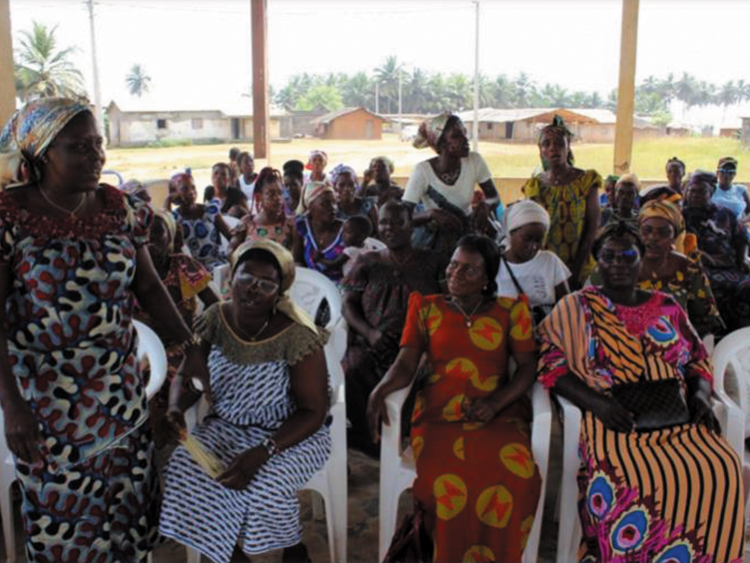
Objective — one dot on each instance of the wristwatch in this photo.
(271, 448)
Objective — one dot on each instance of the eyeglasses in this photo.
(630, 256)
(727, 171)
(467, 269)
(266, 287)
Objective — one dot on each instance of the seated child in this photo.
(356, 237)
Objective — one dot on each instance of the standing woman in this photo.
(445, 185)
(675, 169)
(382, 189)
(230, 200)
(73, 257)
(291, 189)
(570, 196)
(316, 166)
(349, 203)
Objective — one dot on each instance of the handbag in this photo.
(654, 404)
(411, 543)
(539, 311)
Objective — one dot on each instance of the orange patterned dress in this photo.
(478, 483)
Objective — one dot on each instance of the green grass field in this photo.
(506, 160)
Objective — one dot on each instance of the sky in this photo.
(199, 51)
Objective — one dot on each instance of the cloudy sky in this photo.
(200, 50)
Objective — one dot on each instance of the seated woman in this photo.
(524, 268)
(722, 247)
(268, 380)
(570, 196)
(375, 301)
(319, 232)
(382, 189)
(624, 206)
(476, 479)
(291, 189)
(186, 280)
(271, 221)
(648, 489)
(202, 225)
(444, 185)
(665, 269)
(229, 199)
(348, 203)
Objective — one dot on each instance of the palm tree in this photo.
(417, 92)
(387, 76)
(458, 91)
(43, 70)
(727, 96)
(503, 92)
(137, 80)
(358, 91)
(524, 88)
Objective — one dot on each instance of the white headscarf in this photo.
(523, 213)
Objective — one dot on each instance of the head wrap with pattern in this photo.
(287, 267)
(430, 131)
(28, 134)
(310, 192)
(343, 169)
(557, 127)
(313, 154)
(663, 210)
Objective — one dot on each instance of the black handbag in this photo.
(654, 404)
(411, 543)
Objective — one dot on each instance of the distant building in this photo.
(523, 124)
(349, 123)
(135, 122)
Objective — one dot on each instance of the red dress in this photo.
(477, 481)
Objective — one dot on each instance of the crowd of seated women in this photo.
(598, 297)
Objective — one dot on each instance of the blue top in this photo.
(733, 198)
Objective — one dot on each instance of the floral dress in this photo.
(329, 253)
(567, 211)
(202, 236)
(282, 233)
(72, 349)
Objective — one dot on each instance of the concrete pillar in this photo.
(258, 11)
(626, 88)
(7, 84)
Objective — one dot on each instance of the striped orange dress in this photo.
(477, 482)
(673, 494)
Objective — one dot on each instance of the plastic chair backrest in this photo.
(231, 222)
(150, 348)
(731, 359)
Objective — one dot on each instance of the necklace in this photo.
(467, 318)
(399, 263)
(72, 212)
(262, 328)
(450, 176)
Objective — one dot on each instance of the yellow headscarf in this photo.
(286, 264)
(169, 221)
(27, 135)
(664, 210)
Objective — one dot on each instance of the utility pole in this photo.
(97, 91)
(475, 140)
(377, 96)
(400, 122)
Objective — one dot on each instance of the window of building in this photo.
(197, 123)
(161, 123)
(489, 127)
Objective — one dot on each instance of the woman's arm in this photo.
(239, 235)
(21, 426)
(607, 409)
(355, 317)
(399, 376)
(309, 386)
(590, 225)
(208, 297)
(488, 408)
(491, 195)
(561, 290)
(223, 227)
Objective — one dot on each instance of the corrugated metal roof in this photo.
(600, 116)
(328, 117)
(239, 107)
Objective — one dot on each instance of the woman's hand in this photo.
(481, 217)
(243, 468)
(612, 414)
(175, 425)
(481, 410)
(377, 412)
(195, 366)
(445, 219)
(373, 336)
(22, 433)
(702, 413)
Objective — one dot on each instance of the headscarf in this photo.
(387, 161)
(132, 187)
(557, 127)
(611, 178)
(287, 267)
(663, 210)
(27, 135)
(343, 169)
(523, 213)
(728, 160)
(431, 130)
(629, 179)
(703, 176)
(310, 192)
(169, 221)
(313, 154)
(658, 193)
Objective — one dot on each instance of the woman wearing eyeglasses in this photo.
(653, 462)
(477, 481)
(268, 384)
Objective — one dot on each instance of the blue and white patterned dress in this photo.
(202, 236)
(252, 398)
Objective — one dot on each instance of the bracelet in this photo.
(194, 340)
(271, 448)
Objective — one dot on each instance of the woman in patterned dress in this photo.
(671, 494)
(476, 478)
(271, 221)
(73, 257)
(571, 196)
(202, 225)
(269, 389)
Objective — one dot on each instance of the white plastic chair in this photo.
(398, 470)
(730, 416)
(231, 222)
(309, 290)
(150, 350)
